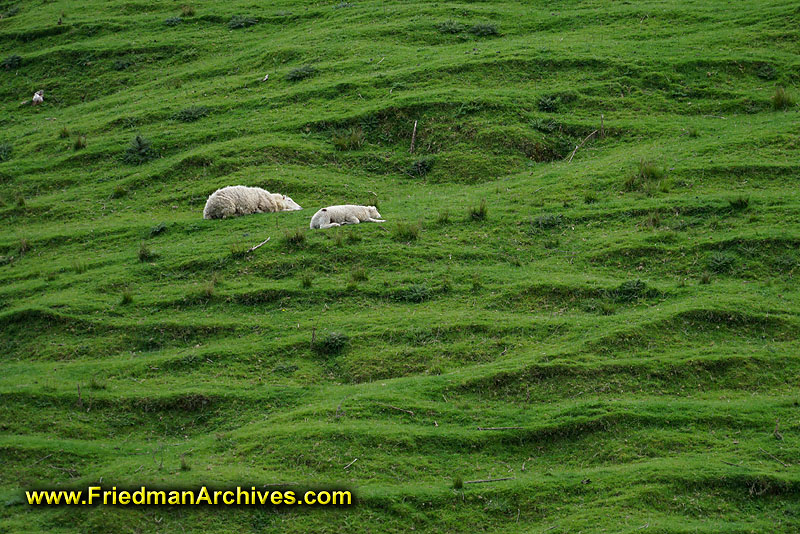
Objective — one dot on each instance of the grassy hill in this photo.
(629, 308)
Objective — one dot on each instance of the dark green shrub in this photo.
(187, 11)
(139, 151)
(301, 73)
(307, 280)
(191, 114)
(241, 21)
(173, 21)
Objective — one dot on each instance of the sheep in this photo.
(346, 214)
(38, 97)
(236, 200)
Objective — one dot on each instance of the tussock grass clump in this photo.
(64, 133)
(24, 246)
(173, 21)
(548, 221)
(421, 166)
(629, 291)
(450, 26)
(11, 62)
(191, 114)
(306, 280)
(359, 275)
(80, 266)
(739, 203)
(122, 64)
(653, 219)
(6, 150)
(96, 385)
(79, 143)
(692, 132)
(404, 231)
(127, 297)
(332, 344)
(443, 217)
(119, 191)
(414, 293)
(721, 262)
(301, 73)
(484, 30)
(187, 10)
(241, 21)
(160, 228)
(349, 139)
(239, 250)
(479, 212)
(139, 151)
(782, 99)
(294, 238)
(185, 464)
(548, 104)
(589, 198)
(342, 5)
(146, 253)
(649, 178)
(458, 483)
(765, 71)
(19, 200)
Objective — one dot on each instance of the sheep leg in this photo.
(351, 219)
(375, 220)
(329, 225)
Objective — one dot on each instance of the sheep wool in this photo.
(346, 214)
(236, 200)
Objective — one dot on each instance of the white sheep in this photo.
(236, 200)
(38, 97)
(346, 214)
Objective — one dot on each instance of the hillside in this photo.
(627, 313)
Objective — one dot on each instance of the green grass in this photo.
(642, 335)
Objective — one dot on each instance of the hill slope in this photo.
(628, 308)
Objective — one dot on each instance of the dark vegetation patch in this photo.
(191, 114)
(241, 21)
(139, 151)
(301, 73)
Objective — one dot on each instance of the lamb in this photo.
(38, 97)
(236, 200)
(346, 214)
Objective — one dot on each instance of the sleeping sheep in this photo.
(347, 214)
(238, 200)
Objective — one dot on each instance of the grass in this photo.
(782, 100)
(79, 143)
(636, 349)
(301, 73)
(349, 139)
(404, 231)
